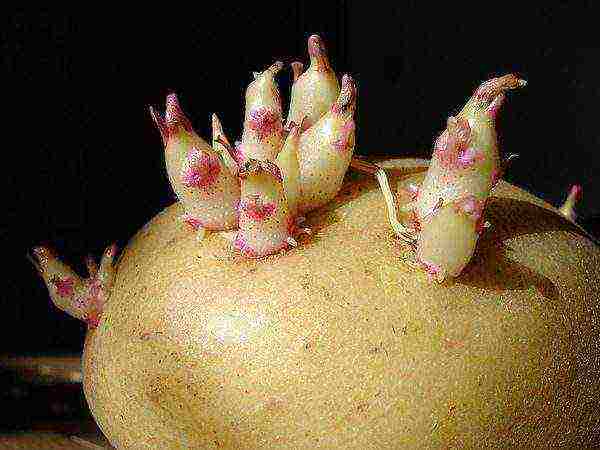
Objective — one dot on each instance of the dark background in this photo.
(83, 163)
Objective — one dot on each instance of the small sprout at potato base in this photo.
(567, 209)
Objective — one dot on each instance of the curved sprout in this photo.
(464, 168)
(447, 211)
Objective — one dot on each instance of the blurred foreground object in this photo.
(43, 405)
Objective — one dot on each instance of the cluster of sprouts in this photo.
(261, 186)
(256, 191)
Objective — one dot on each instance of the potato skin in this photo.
(338, 344)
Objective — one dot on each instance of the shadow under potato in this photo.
(491, 266)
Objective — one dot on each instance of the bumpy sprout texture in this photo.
(447, 211)
(465, 166)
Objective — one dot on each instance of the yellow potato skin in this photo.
(337, 344)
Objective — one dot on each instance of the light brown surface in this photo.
(337, 344)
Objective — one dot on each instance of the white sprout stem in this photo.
(401, 231)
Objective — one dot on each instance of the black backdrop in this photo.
(83, 162)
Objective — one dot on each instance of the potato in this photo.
(338, 344)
